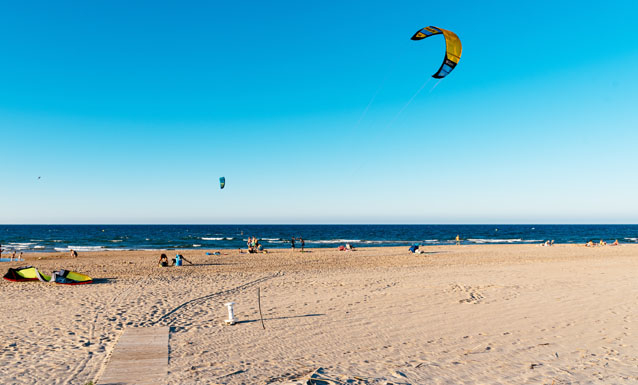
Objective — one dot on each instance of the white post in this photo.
(231, 315)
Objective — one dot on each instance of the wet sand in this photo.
(497, 314)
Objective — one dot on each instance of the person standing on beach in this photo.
(302, 243)
(458, 240)
(292, 243)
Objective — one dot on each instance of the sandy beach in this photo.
(490, 314)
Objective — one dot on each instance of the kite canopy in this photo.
(22, 274)
(452, 48)
(30, 273)
(222, 182)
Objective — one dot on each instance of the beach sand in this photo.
(490, 314)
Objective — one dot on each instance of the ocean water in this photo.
(47, 238)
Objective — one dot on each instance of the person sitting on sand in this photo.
(349, 247)
(163, 260)
(615, 243)
(602, 243)
(590, 243)
(177, 261)
(74, 254)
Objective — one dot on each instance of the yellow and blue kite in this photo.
(452, 48)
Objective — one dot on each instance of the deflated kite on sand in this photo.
(30, 273)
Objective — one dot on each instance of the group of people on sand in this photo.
(177, 261)
(254, 246)
(548, 243)
(591, 243)
(347, 247)
(302, 243)
(13, 255)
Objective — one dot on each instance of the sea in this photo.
(51, 238)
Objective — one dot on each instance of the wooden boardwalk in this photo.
(140, 357)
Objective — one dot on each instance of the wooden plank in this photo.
(140, 357)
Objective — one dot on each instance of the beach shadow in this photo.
(208, 264)
(280, 318)
(103, 280)
(432, 252)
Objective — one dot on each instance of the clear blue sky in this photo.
(131, 113)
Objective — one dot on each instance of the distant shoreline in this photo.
(84, 238)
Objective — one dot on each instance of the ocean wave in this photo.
(334, 241)
(632, 239)
(82, 248)
(116, 240)
(212, 238)
(473, 240)
(18, 245)
(197, 245)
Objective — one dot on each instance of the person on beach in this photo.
(292, 243)
(615, 243)
(13, 255)
(163, 260)
(602, 243)
(590, 243)
(302, 243)
(1, 251)
(252, 244)
(458, 240)
(177, 261)
(74, 254)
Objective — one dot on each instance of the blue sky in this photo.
(131, 113)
